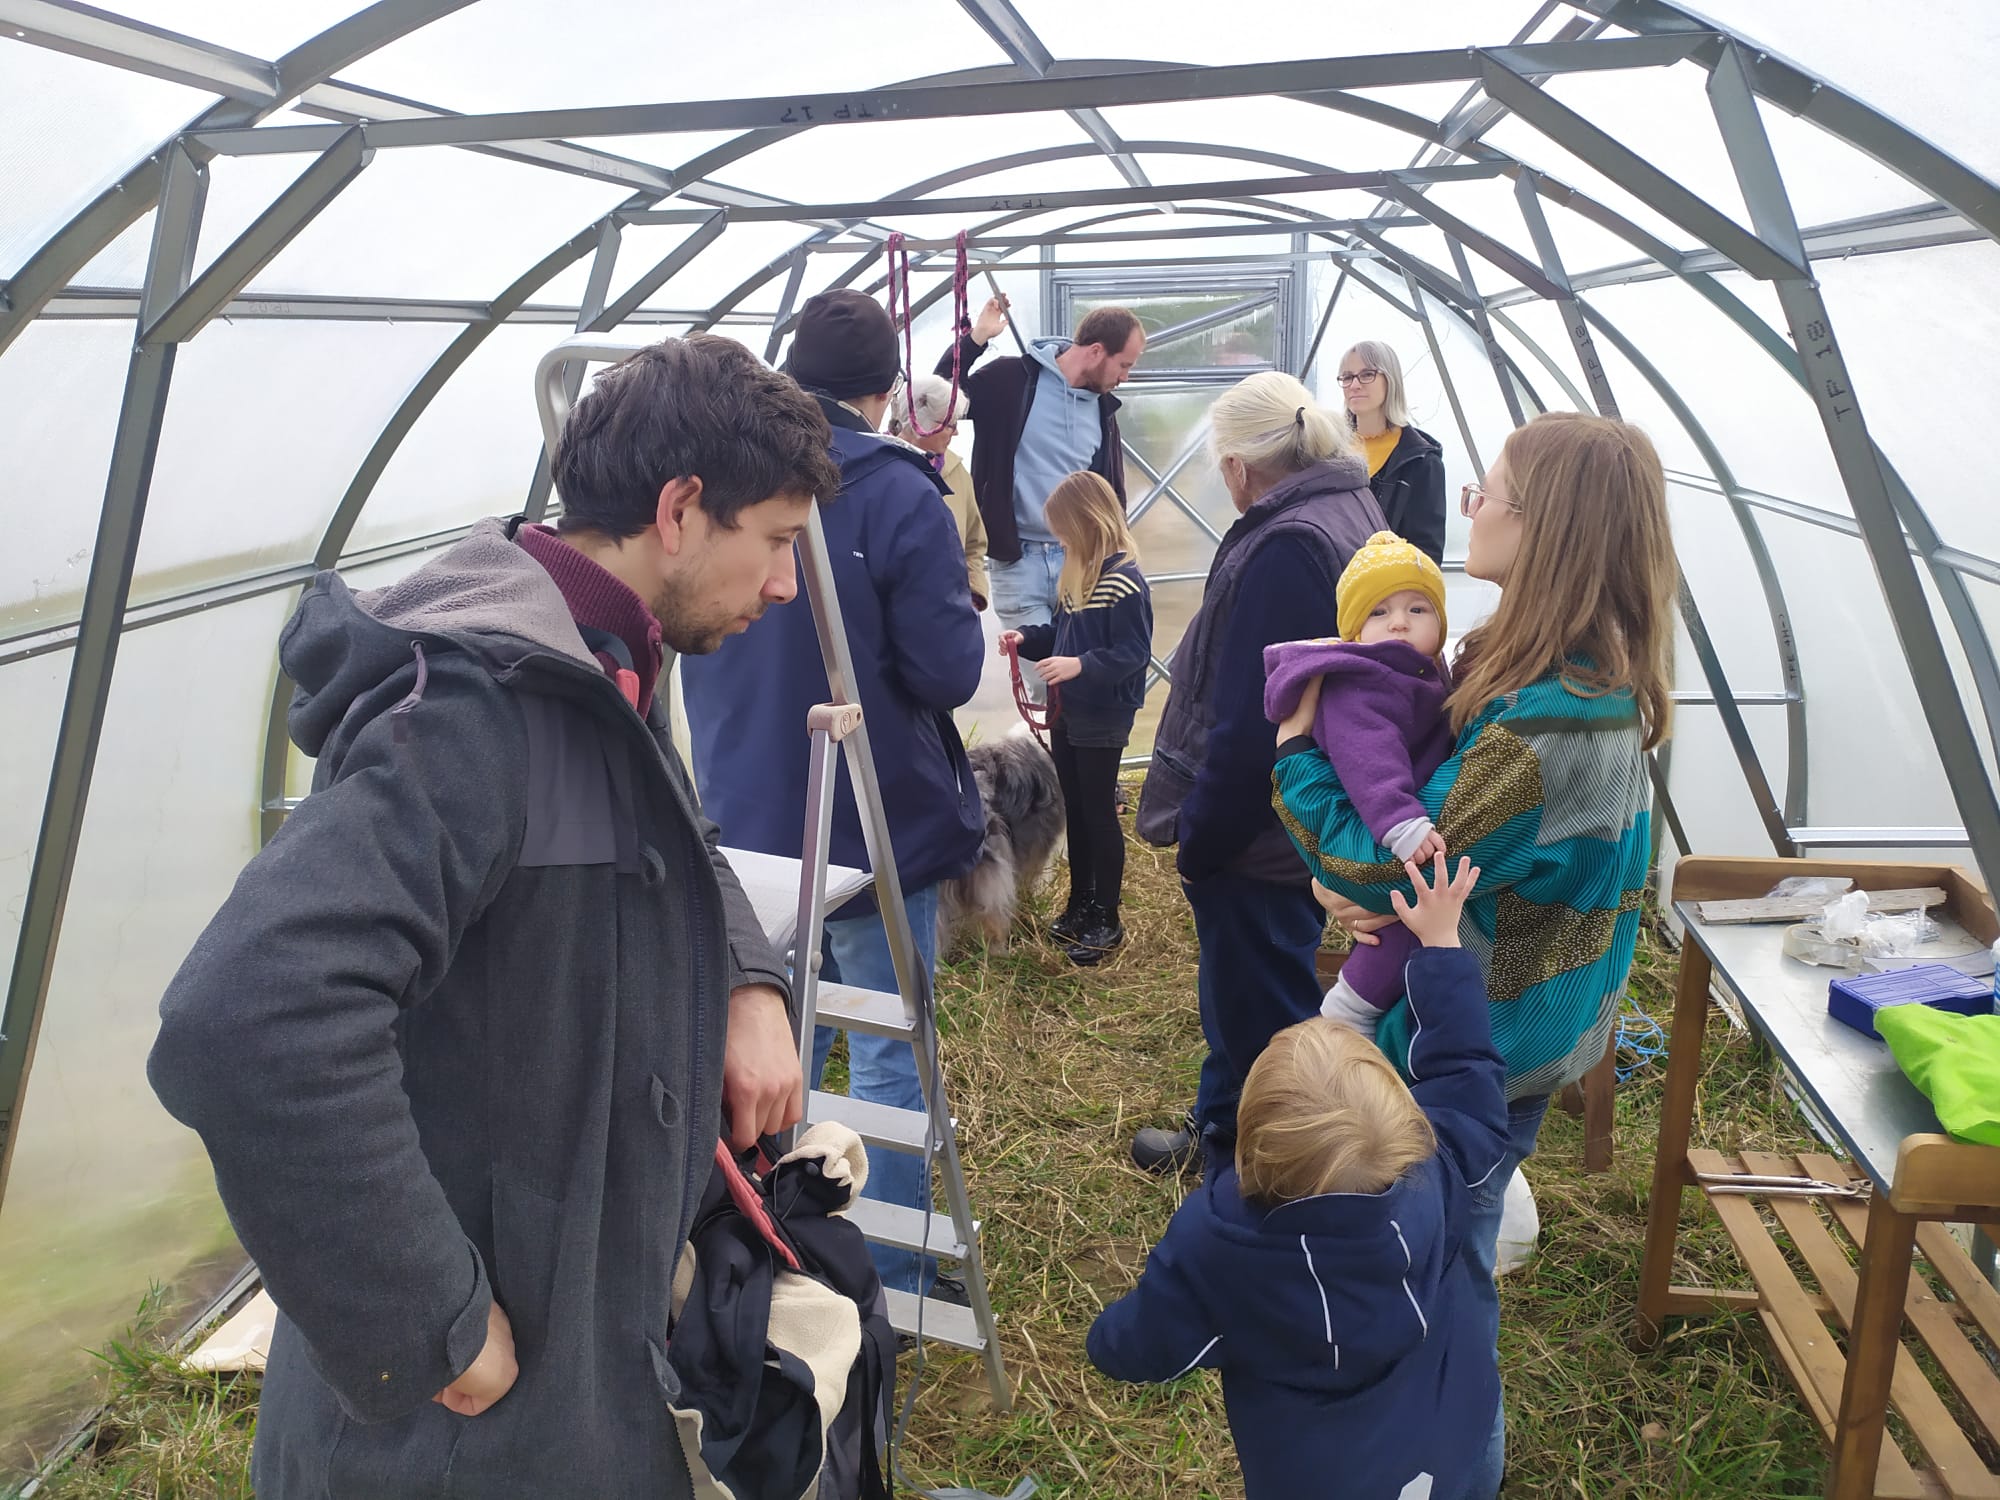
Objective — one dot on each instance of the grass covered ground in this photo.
(1052, 1068)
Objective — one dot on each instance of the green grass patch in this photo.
(1052, 1068)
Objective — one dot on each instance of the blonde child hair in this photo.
(1084, 513)
(1324, 1112)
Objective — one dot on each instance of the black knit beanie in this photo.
(845, 346)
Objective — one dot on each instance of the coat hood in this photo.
(862, 454)
(483, 596)
(1333, 1289)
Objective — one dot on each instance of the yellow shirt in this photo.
(1379, 447)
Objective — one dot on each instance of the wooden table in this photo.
(1902, 1183)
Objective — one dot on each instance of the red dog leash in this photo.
(1039, 716)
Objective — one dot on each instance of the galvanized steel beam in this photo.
(121, 205)
(176, 228)
(102, 37)
(953, 101)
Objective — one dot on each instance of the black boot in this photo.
(1066, 928)
(1167, 1151)
(1099, 933)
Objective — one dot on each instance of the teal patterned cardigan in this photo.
(1547, 793)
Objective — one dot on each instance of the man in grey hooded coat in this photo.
(461, 1040)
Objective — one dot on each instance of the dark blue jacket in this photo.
(899, 570)
(1112, 638)
(1343, 1325)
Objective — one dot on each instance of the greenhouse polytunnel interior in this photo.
(276, 281)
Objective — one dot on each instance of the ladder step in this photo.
(851, 1009)
(876, 1124)
(944, 1322)
(905, 1228)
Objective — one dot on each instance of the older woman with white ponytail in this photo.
(923, 415)
(1300, 486)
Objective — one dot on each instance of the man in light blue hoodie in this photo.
(1038, 417)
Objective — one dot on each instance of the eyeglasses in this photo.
(1472, 499)
(1359, 377)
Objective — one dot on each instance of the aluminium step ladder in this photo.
(792, 898)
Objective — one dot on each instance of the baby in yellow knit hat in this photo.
(1383, 726)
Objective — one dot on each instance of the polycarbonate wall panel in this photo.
(472, 453)
(107, 1193)
(73, 129)
(266, 423)
(1919, 329)
(60, 385)
(525, 54)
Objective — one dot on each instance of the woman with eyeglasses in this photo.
(922, 415)
(1405, 465)
(1557, 699)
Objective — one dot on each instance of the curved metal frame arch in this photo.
(1782, 83)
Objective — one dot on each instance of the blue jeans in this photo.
(1481, 1250)
(883, 1069)
(1025, 593)
(1258, 943)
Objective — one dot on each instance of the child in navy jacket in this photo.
(1096, 649)
(1322, 1273)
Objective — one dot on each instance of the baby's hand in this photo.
(1434, 915)
(1430, 848)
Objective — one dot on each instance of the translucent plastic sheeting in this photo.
(253, 26)
(107, 1194)
(1715, 560)
(855, 162)
(1196, 31)
(1919, 329)
(55, 378)
(740, 250)
(73, 129)
(1346, 142)
(417, 223)
(31, 699)
(267, 421)
(1931, 69)
(472, 453)
(1765, 424)
(1872, 758)
(525, 54)
(1828, 180)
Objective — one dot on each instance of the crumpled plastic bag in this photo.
(1844, 918)
(1793, 886)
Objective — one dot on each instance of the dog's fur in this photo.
(1024, 828)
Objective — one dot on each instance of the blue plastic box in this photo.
(1939, 986)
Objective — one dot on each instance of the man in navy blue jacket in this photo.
(899, 570)
(1322, 1272)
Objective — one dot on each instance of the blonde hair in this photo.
(1592, 588)
(1377, 355)
(1323, 1112)
(1084, 513)
(928, 397)
(1274, 425)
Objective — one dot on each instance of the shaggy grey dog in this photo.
(1024, 827)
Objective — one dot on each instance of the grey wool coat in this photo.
(456, 1036)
